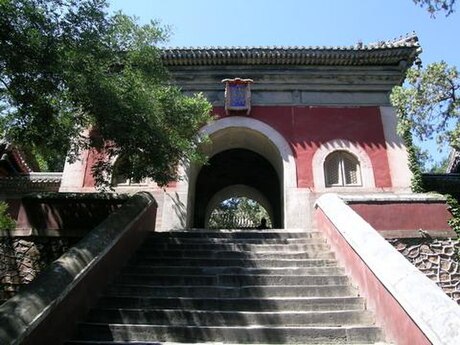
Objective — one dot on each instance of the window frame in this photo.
(124, 180)
(341, 168)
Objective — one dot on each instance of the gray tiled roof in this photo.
(33, 182)
(390, 52)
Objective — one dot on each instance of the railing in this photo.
(50, 306)
(408, 305)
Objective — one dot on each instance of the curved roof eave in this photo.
(404, 49)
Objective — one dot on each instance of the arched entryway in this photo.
(262, 160)
(240, 191)
(236, 167)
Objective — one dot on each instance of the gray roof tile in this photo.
(390, 52)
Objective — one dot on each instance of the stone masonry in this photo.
(24, 257)
(438, 259)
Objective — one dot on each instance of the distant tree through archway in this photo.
(239, 213)
(240, 173)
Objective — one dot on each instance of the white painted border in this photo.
(73, 175)
(431, 309)
(285, 152)
(296, 207)
(367, 172)
(392, 197)
(396, 151)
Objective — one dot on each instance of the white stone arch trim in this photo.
(367, 171)
(238, 190)
(295, 212)
(285, 151)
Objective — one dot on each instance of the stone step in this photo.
(230, 287)
(252, 234)
(152, 240)
(243, 334)
(244, 247)
(232, 280)
(224, 254)
(145, 290)
(245, 263)
(240, 304)
(192, 270)
(93, 342)
(183, 317)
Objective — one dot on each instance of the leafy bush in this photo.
(6, 222)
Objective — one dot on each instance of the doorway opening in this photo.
(239, 213)
(237, 173)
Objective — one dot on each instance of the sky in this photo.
(207, 23)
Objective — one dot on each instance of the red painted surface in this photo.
(306, 128)
(92, 157)
(397, 324)
(405, 216)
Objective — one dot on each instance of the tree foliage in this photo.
(238, 212)
(434, 6)
(439, 167)
(68, 65)
(429, 103)
(6, 222)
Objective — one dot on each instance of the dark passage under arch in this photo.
(232, 167)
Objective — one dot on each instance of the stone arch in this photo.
(367, 171)
(238, 191)
(233, 167)
(288, 166)
(247, 133)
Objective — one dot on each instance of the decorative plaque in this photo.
(237, 95)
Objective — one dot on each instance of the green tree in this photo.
(439, 167)
(427, 164)
(238, 212)
(434, 6)
(6, 222)
(68, 65)
(428, 105)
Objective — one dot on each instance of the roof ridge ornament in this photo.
(407, 40)
(237, 95)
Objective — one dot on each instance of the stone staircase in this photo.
(254, 286)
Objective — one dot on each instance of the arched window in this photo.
(342, 169)
(121, 173)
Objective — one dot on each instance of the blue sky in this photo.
(300, 23)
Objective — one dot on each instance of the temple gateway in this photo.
(310, 120)
(352, 257)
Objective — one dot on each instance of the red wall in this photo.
(306, 128)
(92, 157)
(405, 216)
(397, 324)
